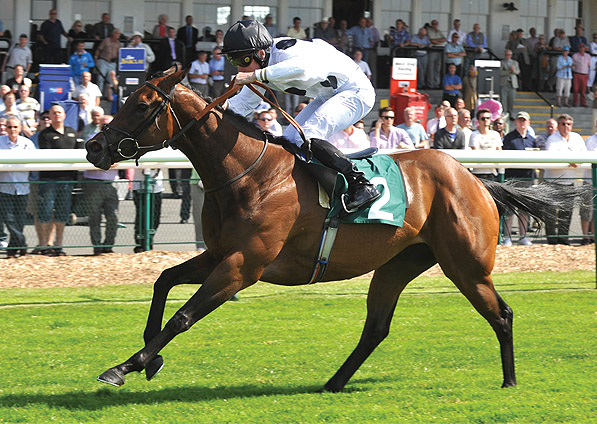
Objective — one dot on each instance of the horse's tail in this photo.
(540, 201)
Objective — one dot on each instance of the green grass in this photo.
(264, 359)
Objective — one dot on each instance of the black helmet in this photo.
(246, 36)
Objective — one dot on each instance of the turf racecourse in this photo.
(265, 359)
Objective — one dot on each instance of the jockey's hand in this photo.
(243, 78)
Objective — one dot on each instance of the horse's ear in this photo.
(171, 70)
(176, 73)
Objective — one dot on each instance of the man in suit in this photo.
(523, 56)
(104, 28)
(189, 36)
(170, 51)
(509, 71)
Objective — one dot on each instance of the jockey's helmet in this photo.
(243, 40)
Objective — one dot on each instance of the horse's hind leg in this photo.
(504, 334)
(386, 286)
(480, 292)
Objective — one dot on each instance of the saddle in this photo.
(326, 177)
(383, 169)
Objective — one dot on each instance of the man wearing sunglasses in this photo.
(341, 91)
(14, 188)
(485, 139)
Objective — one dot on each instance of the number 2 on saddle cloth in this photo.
(389, 208)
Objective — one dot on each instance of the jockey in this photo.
(342, 93)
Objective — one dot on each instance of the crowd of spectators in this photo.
(444, 62)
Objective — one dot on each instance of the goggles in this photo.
(242, 61)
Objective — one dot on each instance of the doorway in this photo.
(350, 10)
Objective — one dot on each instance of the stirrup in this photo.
(372, 192)
(343, 200)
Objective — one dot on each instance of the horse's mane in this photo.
(240, 122)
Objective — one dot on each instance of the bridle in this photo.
(136, 151)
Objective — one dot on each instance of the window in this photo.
(474, 12)
(153, 9)
(392, 10)
(90, 11)
(566, 15)
(436, 10)
(259, 12)
(215, 15)
(533, 13)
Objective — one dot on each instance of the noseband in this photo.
(134, 150)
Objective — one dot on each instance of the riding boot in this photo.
(360, 190)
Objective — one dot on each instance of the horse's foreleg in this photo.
(193, 271)
(386, 286)
(225, 281)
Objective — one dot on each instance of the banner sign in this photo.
(404, 69)
(131, 60)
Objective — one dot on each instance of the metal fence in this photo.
(172, 234)
(105, 216)
(110, 216)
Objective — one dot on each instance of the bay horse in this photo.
(262, 221)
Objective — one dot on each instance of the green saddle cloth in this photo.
(389, 208)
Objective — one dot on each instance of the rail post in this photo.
(146, 210)
(594, 178)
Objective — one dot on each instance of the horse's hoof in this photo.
(508, 384)
(329, 387)
(113, 377)
(154, 367)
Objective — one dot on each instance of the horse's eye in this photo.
(142, 107)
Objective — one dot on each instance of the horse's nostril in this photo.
(95, 147)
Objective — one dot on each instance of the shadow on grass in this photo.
(106, 397)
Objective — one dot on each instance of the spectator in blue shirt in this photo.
(361, 38)
(452, 85)
(578, 39)
(216, 71)
(399, 37)
(80, 61)
(415, 131)
(563, 76)
(519, 139)
(454, 53)
(477, 40)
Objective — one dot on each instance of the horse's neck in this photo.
(218, 150)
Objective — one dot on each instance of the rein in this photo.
(136, 151)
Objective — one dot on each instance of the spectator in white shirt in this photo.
(437, 122)
(564, 140)
(29, 109)
(350, 138)
(94, 95)
(264, 121)
(456, 29)
(485, 139)
(199, 73)
(358, 58)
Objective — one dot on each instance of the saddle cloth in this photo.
(389, 208)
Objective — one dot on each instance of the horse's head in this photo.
(138, 125)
